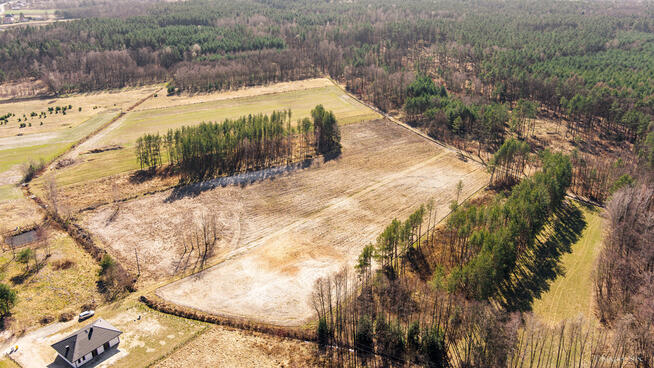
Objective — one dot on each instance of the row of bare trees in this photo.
(625, 269)
(197, 243)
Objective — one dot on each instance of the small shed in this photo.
(88, 343)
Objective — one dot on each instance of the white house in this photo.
(89, 342)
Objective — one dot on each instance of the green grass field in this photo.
(137, 123)
(346, 109)
(7, 363)
(9, 192)
(571, 294)
(23, 149)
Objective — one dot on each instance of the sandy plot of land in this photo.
(230, 348)
(279, 235)
(18, 212)
(163, 100)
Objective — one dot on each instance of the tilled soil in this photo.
(231, 348)
(279, 234)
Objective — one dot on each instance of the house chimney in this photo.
(90, 332)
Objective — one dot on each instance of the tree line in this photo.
(625, 268)
(590, 62)
(248, 143)
(449, 118)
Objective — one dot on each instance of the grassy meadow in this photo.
(136, 123)
(50, 289)
(571, 294)
(46, 137)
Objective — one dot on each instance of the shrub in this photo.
(433, 348)
(105, 264)
(413, 337)
(62, 264)
(323, 332)
(46, 319)
(7, 300)
(66, 316)
(31, 169)
(363, 338)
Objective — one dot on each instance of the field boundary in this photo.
(90, 135)
(157, 303)
(244, 97)
(82, 237)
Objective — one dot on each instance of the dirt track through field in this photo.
(280, 234)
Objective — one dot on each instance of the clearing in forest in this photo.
(571, 294)
(279, 234)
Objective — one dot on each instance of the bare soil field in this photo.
(231, 348)
(278, 235)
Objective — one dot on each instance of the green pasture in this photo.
(571, 294)
(346, 109)
(9, 192)
(47, 149)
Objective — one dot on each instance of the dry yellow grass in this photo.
(49, 291)
(163, 100)
(18, 212)
(226, 347)
(102, 101)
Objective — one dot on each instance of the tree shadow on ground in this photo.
(243, 179)
(416, 258)
(141, 176)
(21, 278)
(537, 268)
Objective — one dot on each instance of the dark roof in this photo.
(86, 340)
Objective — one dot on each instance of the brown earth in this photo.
(280, 234)
(227, 347)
